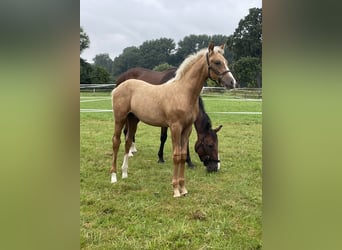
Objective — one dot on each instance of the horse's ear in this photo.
(218, 129)
(211, 47)
(222, 46)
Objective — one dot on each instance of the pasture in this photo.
(221, 211)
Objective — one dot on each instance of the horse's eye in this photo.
(218, 63)
(210, 145)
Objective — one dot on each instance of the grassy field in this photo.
(221, 211)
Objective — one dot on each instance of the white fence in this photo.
(239, 92)
(97, 87)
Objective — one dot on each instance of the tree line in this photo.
(243, 50)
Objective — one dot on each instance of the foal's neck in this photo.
(193, 80)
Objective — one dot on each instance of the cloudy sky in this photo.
(113, 25)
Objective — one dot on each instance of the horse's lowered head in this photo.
(218, 69)
(207, 149)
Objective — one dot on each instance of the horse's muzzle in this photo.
(211, 165)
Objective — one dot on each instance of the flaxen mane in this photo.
(190, 60)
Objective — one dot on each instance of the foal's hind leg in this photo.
(116, 144)
(131, 124)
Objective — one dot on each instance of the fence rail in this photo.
(239, 92)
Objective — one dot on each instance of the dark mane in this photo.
(169, 74)
(205, 121)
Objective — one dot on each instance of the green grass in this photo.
(221, 211)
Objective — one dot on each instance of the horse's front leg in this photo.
(188, 158)
(176, 146)
(163, 137)
(184, 152)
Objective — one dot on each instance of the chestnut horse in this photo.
(173, 105)
(207, 150)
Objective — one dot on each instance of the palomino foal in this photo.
(173, 105)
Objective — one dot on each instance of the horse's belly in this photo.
(153, 120)
(151, 116)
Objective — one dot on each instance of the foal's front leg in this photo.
(184, 152)
(176, 146)
(179, 156)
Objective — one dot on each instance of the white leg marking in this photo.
(113, 178)
(183, 191)
(130, 154)
(132, 150)
(176, 193)
(219, 163)
(125, 166)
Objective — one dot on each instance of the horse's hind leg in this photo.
(132, 149)
(131, 124)
(116, 144)
(163, 137)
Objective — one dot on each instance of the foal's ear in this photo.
(218, 129)
(211, 47)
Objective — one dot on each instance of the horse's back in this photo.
(142, 99)
(133, 87)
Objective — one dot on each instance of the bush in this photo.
(247, 70)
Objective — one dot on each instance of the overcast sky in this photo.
(113, 25)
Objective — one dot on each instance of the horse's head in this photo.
(207, 149)
(218, 67)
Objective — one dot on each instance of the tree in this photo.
(162, 67)
(99, 75)
(247, 38)
(85, 72)
(191, 44)
(129, 58)
(247, 71)
(155, 52)
(246, 46)
(148, 55)
(104, 61)
(84, 40)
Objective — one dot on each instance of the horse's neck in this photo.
(202, 120)
(193, 80)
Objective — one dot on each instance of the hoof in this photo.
(113, 178)
(184, 192)
(176, 193)
(124, 175)
(133, 149)
(161, 161)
